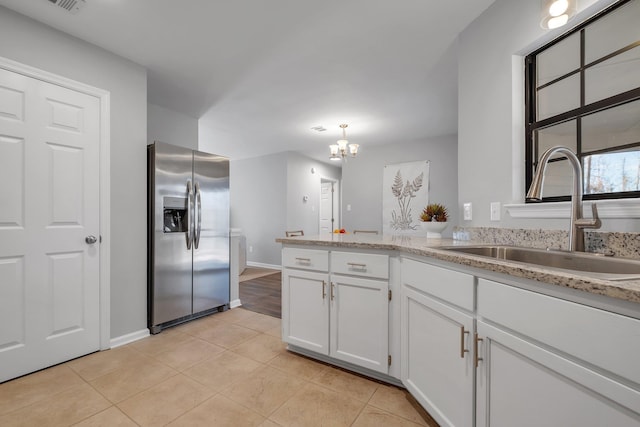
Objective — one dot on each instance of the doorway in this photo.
(329, 212)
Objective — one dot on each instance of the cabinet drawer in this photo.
(366, 265)
(606, 340)
(448, 285)
(307, 259)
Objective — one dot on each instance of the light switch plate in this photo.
(468, 214)
(495, 211)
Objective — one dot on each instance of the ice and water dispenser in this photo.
(175, 214)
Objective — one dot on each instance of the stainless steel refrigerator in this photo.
(188, 234)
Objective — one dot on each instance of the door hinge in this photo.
(389, 360)
(390, 294)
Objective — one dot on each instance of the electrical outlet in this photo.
(348, 208)
(250, 249)
(468, 214)
(495, 211)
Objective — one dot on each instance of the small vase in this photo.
(434, 229)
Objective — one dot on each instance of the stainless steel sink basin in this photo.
(592, 265)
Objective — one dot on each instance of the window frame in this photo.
(531, 125)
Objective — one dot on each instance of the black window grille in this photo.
(583, 92)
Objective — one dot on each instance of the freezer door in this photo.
(211, 240)
(171, 274)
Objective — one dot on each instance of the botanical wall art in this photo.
(405, 191)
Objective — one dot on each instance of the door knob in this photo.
(90, 240)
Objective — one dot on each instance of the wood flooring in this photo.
(263, 295)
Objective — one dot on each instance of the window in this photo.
(583, 92)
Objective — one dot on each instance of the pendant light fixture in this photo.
(342, 148)
(556, 13)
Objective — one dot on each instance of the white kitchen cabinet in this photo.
(475, 349)
(305, 309)
(546, 361)
(342, 314)
(359, 321)
(436, 337)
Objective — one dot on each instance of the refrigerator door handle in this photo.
(198, 215)
(189, 214)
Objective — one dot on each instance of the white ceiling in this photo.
(260, 73)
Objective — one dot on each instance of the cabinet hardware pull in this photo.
(356, 265)
(333, 285)
(462, 349)
(476, 359)
(303, 259)
(324, 289)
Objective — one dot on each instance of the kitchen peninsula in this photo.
(476, 340)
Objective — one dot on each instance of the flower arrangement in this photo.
(434, 212)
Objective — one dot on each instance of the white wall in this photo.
(31, 43)
(362, 179)
(491, 106)
(258, 195)
(266, 200)
(301, 182)
(172, 127)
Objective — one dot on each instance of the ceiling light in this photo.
(556, 13)
(558, 7)
(557, 21)
(341, 148)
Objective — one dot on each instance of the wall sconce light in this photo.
(556, 13)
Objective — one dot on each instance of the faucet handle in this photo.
(590, 223)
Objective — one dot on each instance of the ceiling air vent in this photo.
(72, 6)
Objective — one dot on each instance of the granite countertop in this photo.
(628, 290)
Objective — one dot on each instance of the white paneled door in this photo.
(326, 207)
(49, 219)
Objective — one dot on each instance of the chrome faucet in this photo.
(578, 223)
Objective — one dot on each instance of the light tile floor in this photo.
(229, 369)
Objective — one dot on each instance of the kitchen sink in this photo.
(593, 265)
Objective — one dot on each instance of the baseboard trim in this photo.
(129, 338)
(263, 265)
(235, 303)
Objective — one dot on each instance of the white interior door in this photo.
(49, 205)
(327, 207)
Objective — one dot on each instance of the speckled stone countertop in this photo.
(628, 290)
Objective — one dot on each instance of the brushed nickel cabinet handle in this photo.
(333, 286)
(476, 339)
(356, 265)
(307, 260)
(462, 349)
(324, 289)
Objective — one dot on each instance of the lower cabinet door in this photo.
(437, 359)
(521, 384)
(360, 321)
(305, 310)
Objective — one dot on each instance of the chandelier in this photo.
(341, 148)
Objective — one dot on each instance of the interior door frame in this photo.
(336, 201)
(104, 177)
